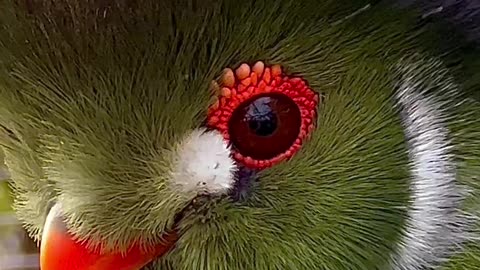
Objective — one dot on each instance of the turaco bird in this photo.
(243, 135)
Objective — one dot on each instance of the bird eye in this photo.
(265, 126)
(264, 114)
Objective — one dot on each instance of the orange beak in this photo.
(59, 251)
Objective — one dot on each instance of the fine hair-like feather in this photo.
(97, 96)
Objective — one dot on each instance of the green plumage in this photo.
(94, 99)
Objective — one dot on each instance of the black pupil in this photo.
(265, 126)
(262, 120)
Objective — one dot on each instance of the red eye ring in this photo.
(249, 83)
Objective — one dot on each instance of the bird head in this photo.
(225, 135)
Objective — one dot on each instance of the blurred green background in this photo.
(17, 251)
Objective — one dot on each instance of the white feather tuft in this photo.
(436, 226)
(203, 163)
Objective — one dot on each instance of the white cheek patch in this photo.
(203, 163)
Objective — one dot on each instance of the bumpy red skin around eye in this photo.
(259, 82)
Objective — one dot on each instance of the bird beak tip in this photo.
(59, 250)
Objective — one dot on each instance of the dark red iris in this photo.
(265, 126)
(265, 114)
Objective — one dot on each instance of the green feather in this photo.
(93, 101)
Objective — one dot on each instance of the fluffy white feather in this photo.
(203, 163)
(436, 227)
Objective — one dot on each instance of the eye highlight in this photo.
(265, 126)
(265, 114)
